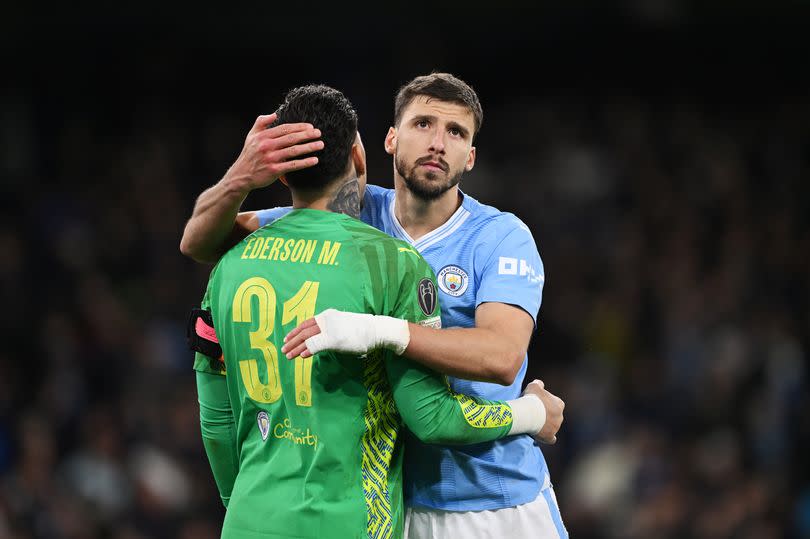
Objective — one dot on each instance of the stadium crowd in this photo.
(675, 233)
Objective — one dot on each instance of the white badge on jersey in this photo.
(453, 280)
(264, 424)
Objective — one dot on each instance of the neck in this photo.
(418, 216)
(343, 196)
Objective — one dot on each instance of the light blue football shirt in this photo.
(479, 255)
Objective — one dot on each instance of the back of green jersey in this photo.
(316, 437)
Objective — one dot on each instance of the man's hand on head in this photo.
(271, 152)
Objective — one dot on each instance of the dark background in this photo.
(657, 149)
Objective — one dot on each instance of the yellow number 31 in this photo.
(300, 307)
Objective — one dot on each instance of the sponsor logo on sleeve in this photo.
(518, 266)
(434, 322)
(453, 280)
(426, 294)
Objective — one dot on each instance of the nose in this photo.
(437, 141)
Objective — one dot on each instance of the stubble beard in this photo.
(427, 189)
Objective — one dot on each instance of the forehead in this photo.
(423, 105)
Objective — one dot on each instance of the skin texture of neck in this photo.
(342, 196)
(419, 217)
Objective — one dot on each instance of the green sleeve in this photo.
(430, 409)
(218, 431)
(437, 415)
(217, 424)
(203, 363)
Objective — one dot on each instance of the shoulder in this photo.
(377, 192)
(376, 200)
(269, 215)
(376, 196)
(391, 251)
(362, 232)
(493, 224)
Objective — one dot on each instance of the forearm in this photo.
(209, 230)
(218, 431)
(490, 354)
(470, 353)
(436, 414)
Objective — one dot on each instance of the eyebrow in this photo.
(431, 118)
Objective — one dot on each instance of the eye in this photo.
(455, 131)
(422, 123)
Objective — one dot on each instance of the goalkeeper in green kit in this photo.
(312, 447)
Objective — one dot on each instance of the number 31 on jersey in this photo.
(299, 308)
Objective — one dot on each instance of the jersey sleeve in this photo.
(217, 425)
(269, 215)
(513, 272)
(218, 431)
(374, 200)
(427, 405)
(203, 363)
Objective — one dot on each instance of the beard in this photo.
(427, 187)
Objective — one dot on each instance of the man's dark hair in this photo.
(441, 86)
(326, 109)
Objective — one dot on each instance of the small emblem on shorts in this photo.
(427, 296)
(453, 280)
(264, 424)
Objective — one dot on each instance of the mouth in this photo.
(433, 166)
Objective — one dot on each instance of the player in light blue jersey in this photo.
(491, 279)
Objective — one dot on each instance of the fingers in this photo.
(292, 133)
(280, 147)
(295, 341)
(554, 408)
(290, 146)
(299, 350)
(308, 323)
(536, 387)
(548, 440)
(298, 344)
(295, 137)
(538, 383)
(288, 152)
(262, 122)
(297, 164)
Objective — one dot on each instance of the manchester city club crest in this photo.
(453, 280)
(264, 424)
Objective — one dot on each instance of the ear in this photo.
(391, 141)
(359, 159)
(470, 160)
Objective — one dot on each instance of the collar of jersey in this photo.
(437, 234)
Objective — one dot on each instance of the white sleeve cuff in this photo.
(528, 414)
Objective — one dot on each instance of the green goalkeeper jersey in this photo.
(318, 441)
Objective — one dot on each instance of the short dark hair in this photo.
(330, 111)
(441, 86)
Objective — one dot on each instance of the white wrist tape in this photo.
(356, 333)
(528, 414)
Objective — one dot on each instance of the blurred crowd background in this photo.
(659, 151)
